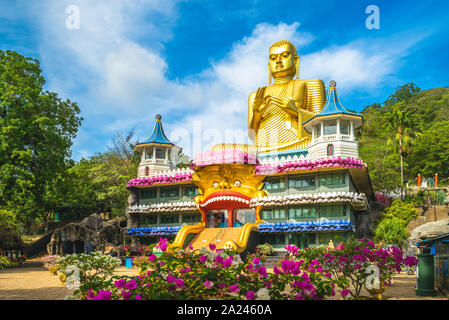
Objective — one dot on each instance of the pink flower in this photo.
(138, 297)
(152, 257)
(183, 271)
(208, 284)
(126, 295)
(256, 261)
(263, 272)
(103, 295)
(276, 270)
(131, 285)
(344, 293)
(250, 295)
(227, 262)
(212, 246)
(203, 259)
(170, 279)
(120, 283)
(179, 283)
(219, 259)
(221, 285)
(234, 288)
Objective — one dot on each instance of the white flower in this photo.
(263, 294)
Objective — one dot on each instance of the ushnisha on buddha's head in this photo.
(283, 60)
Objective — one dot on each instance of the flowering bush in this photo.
(92, 269)
(265, 249)
(144, 250)
(215, 274)
(356, 263)
(49, 261)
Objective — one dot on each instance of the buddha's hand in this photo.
(285, 103)
(259, 99)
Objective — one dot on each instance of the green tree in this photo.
(402, 211)
(403, 93)
(10, 230)
(36, 132)
(392, 228)
(431, 153)
(398, 121)
(391, 231)
(111, 171)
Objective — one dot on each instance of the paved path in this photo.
(31, 281)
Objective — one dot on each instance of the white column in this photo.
(351, 129)
(322, 129)
(313, 134)
(338, 128)
(154, 154)
(166, 155)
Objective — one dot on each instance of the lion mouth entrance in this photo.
(228, 200)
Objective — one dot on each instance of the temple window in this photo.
(301, 212)
(301, 182)
(330, 128)
(187, 218)
(147, 171)
(274, 183)
(279, 214)
(330, 150)
(266, 214)
(344, 127)
(170, 192)
(332, 179)
(160, 153)
(147, 219)
(318, 130)
(332, 211)
(148, 194)
(190, 191)
(169, 218)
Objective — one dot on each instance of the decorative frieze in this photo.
(164, 207)
(310, 198)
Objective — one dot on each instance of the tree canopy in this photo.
(36, 132)
(416, 125)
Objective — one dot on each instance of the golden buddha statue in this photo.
(276, 112)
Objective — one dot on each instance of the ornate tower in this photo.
(157, 153)
(333, 129)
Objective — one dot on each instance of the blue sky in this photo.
(195, 62)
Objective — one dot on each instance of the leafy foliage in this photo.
(416, 125)
(391, 229)
(36, 132)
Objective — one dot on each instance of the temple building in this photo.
(301, 183)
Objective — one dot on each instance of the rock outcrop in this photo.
(430, 230)
(92, 232)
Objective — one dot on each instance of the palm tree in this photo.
(399, 122)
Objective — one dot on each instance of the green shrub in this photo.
(4, 262)
(402, 211)
(265, 249)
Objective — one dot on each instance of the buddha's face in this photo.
(282, 61)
